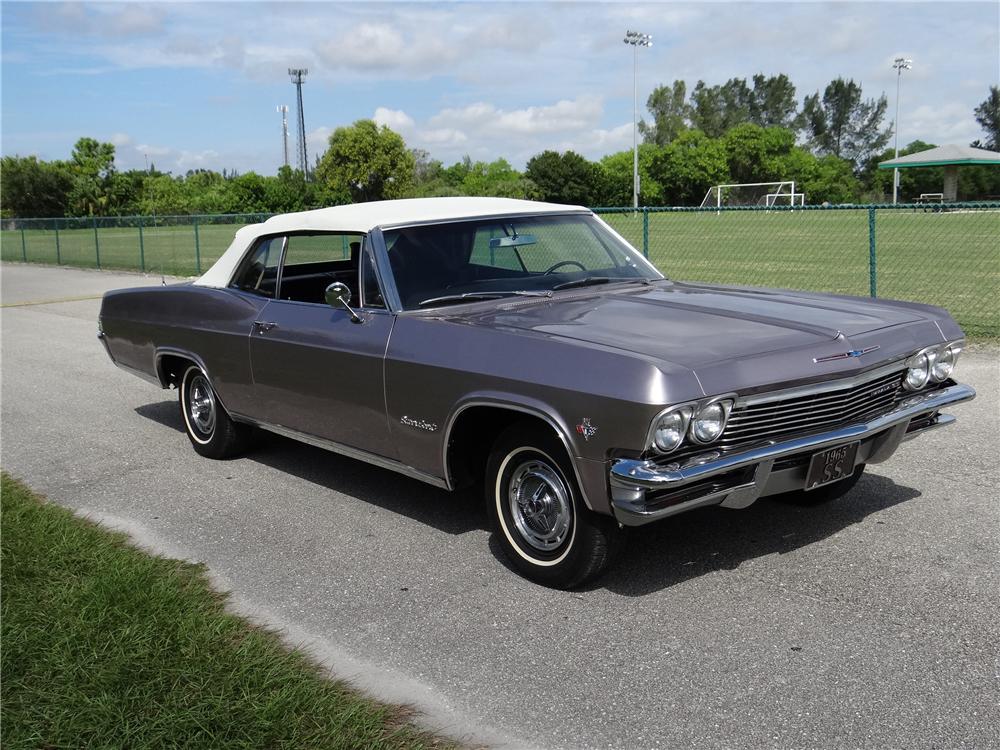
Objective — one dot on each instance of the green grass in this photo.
(106, 646)
(950, 259)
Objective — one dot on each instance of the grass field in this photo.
(106, 646)
(950, 259)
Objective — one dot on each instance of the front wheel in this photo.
(540, 521)
(211, 431)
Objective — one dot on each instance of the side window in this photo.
(372, 296)
(258, 273)
(314, 261)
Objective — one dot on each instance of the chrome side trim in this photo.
(346, 450)
(823, 387)
(631, 478)
(518, 408)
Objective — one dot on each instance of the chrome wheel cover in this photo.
(540, 504)
(201, 405)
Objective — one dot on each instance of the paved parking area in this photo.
(869, 623)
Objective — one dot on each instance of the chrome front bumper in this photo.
(738, 479)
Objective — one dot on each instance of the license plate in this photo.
(831, 465)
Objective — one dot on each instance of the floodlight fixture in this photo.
(636, 39)
(899, 64)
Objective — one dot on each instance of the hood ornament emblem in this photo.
(586, 429)
(852, 354)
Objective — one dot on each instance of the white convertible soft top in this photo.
(363, 217)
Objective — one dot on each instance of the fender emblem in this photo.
(853, 354)
(586, 429)
(420, 424)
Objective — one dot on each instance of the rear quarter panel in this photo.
(213, 325)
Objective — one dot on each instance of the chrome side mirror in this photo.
(338, 295)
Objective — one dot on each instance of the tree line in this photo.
(734, 132)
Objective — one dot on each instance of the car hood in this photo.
(701, 326)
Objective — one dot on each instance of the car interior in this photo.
(312, 263)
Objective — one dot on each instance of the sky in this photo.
(196, 85)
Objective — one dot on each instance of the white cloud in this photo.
(381, 46)
(396, 119)
(566, 114)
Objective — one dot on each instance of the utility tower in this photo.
(283, 111)
(298, 78)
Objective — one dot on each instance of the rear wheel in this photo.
(827, 493)
(211, 431)
(541, 523)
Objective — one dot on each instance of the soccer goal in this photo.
(754, 194)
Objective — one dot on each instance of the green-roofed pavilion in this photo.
(951, 157)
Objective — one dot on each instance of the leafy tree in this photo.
(496, 178)
(716, 109)
(92, 164)
(367, 162)
(988, 117)
(616, 183)
(565, 178)
(688, 167)
(772, 101)
(754, 154)
(33, 188)
(843, 124)
(670, 113)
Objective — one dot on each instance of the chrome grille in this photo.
(774, 419)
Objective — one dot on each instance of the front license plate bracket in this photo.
(831, 465)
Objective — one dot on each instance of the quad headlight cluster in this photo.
(701, 422)
(931, 365)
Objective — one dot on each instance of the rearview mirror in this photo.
(338, 295)
(516, 241)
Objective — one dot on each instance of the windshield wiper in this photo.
(594, 280)
(476, 296)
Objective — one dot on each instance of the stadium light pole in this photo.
(636, 39)
(900, 64)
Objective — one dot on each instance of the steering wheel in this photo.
(560, 264)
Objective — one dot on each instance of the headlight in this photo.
(944, 363)
(919, 371)
(707, 425)
(669, 430)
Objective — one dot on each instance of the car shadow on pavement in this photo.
(451, 512)
(707, 540)
(654, 557)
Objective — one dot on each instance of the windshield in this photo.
(473, 260)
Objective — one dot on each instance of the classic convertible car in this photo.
(528, 348)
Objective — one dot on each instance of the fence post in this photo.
(645, 231)
(58, 253)
(142, 249)
(197, 249)
(872, 272)
(97, 245)
(343, 246)
(24, 247)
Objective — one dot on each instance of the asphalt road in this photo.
(869, 623)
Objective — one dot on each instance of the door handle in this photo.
(264, 326)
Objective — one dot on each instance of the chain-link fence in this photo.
(942, 255)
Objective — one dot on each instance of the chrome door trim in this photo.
(384, 269)
(346, 450)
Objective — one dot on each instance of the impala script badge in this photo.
(420, 424)
(854, 353)
(586, 429)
